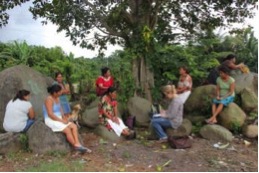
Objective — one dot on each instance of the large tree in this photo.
(138, 25)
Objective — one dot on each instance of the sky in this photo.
(22, 27)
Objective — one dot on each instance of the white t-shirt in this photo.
(16, 115)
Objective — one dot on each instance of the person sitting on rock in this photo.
(19, 114)
(170, 118)
(108, 115)
(57, 121)
(225, 93)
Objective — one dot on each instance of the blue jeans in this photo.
(28, 125)
(160, 124)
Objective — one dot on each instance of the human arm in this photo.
(65, 89)
(31, 113)
(218, 92)
(186, 85)
(49, 107)
(106, 109)
(175, 109)
(233, 66)
(231, 90)
(115, 117)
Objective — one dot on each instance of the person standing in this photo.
(64, 92)
(104, 81)
(184, 85)
(19, 114)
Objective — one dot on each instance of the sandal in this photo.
(83, 149)
(210, 122)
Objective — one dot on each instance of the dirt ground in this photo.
(142, 155)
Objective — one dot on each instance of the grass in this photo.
(57, 166)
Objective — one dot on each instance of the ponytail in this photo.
(21, 94)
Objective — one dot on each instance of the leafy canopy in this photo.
(94, 23)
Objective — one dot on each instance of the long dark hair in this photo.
(229, 57)
(104, 70)
(224, 69)
(54, 88)
(57, 73)
(21, 94)
(110, 90)
(185, 69)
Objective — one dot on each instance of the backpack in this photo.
(130, 122)
(155, 109)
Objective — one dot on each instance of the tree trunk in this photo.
(144, 78)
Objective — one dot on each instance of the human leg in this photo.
(74, 132)
(72, 137)
(213, 108)
(159, 124)
(69, 136)
(213, 118)
(28, 124)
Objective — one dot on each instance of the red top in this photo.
(105, 83)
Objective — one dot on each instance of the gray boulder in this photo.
(139, 108)
(184, 130)
(10, 142)
(103, 132)
(22, 77)
(43, 140)
(200, 99)
(232, 117)
(245, 80)
(216, 133)
(250, 131)
(249, 100)
(90, 117)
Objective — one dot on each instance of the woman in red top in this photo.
(104, 81)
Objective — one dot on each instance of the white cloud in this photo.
(21, 26)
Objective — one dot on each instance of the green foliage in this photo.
(198, 55)
(196, 127)
(236, 127)
(24, 140)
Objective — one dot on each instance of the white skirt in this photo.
(117, 128)
(56, 126)
(184, 96)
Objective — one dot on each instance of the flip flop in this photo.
(83, 149)
(209, 122)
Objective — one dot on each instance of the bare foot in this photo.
(211, 121)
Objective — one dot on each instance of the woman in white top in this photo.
(184, 85)
(19, 114)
